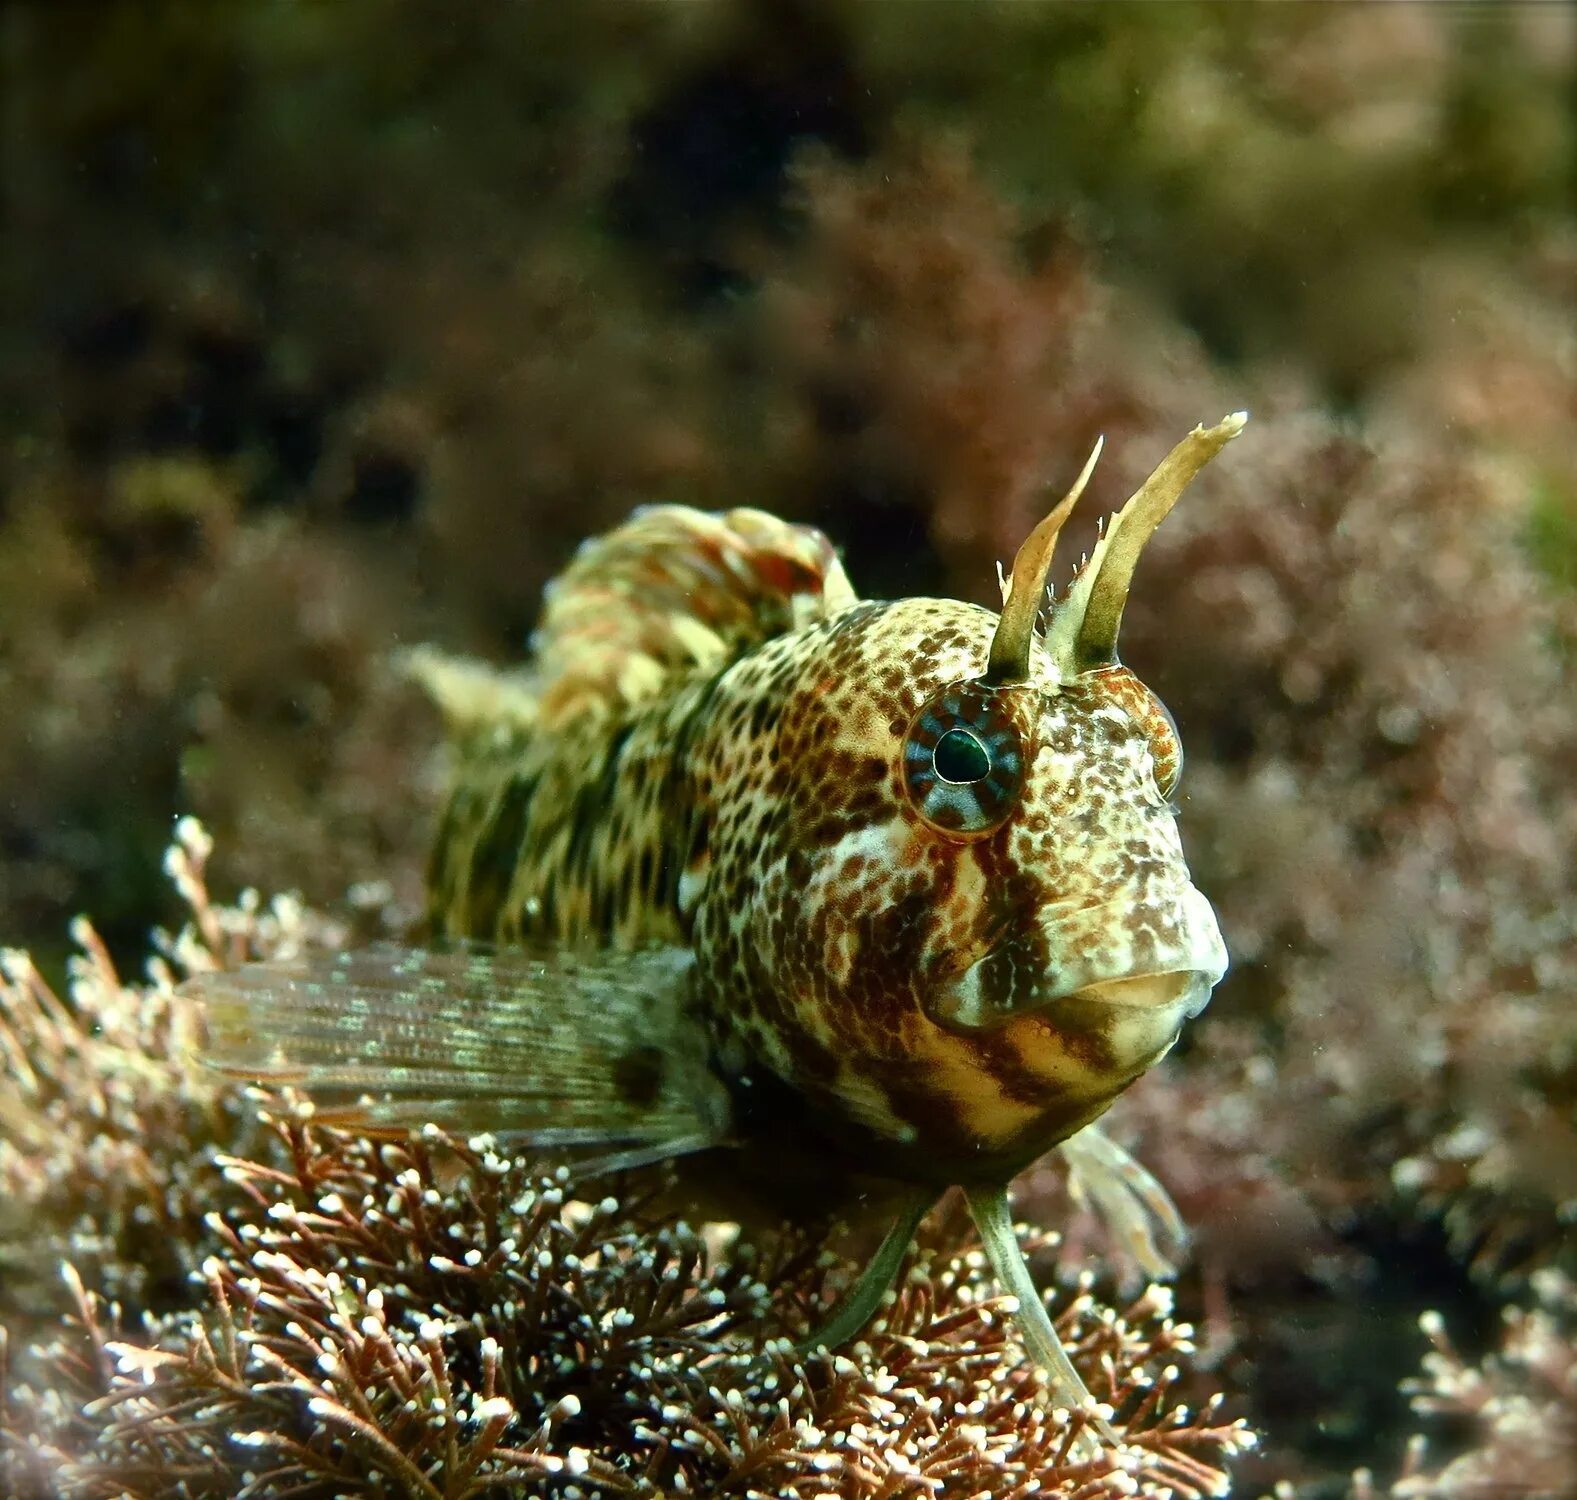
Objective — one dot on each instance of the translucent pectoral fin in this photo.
(591, 1052)
(858, 1305)
(995, 1222)
(1135, 1207)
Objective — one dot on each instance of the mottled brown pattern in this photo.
(724, 767)
(1118, 686)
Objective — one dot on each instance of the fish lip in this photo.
(1066, 961)
(1185, 989)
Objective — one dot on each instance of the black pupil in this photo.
(961, 758)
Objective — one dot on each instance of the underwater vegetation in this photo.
(369, 1312)
(330, 330)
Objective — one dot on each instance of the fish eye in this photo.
(963, 761)
(960, 758)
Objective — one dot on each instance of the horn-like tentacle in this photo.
(1015, 633)
(1084, 633)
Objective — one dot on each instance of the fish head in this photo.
(1066, 889)
(979, 852)
(972, 862)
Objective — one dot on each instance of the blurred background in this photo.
(326, 329)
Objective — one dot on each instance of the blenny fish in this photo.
(739, 856)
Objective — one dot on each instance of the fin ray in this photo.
(553, 1048)
(672, 592)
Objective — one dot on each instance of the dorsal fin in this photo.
(675, 591)
(670, 593)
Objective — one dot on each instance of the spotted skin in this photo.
(911, 986)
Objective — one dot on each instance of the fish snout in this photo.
(1160, 955)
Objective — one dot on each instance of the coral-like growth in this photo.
(1517, 1407)
(107, 1127)
(330, 1316)
(370, 1323)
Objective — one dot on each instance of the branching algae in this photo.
(741, 858)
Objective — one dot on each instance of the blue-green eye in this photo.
(960, 758)
(963, 761)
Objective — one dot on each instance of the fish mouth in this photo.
(1063, 969)
(1185, 989)
(973, 1001)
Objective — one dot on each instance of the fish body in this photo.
(752, 806)
(739, 853)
